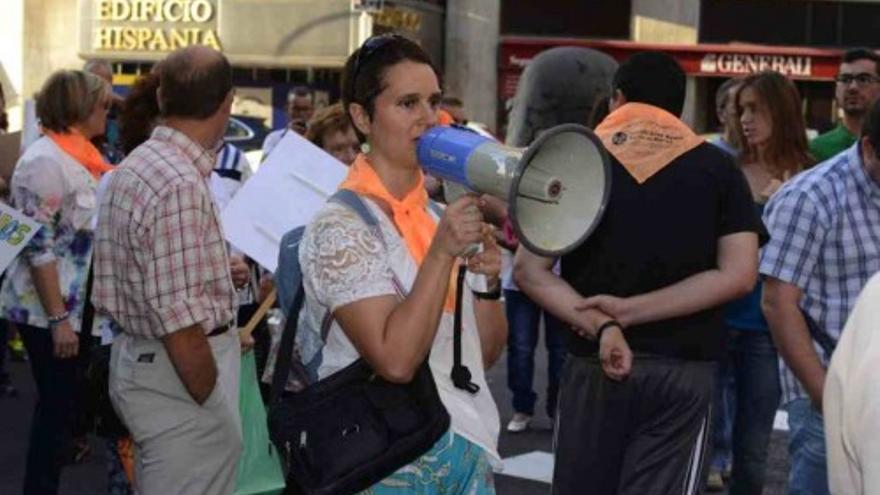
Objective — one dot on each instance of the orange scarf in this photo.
(82, 150)
(645, 138)
(410, 214)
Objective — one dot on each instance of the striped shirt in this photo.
(161, 263)
(233, 164)
(825, 239)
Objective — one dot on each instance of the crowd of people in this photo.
(716, 289)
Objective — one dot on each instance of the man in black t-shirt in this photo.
(679, 237)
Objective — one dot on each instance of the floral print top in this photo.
(55, 190)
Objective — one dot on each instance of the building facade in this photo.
(273, 45)
(712, 39)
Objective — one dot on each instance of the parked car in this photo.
(246, 132)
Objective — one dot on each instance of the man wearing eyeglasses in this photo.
(858, 86)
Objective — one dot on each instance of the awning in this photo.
(706, 60)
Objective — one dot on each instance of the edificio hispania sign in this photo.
(154, 25)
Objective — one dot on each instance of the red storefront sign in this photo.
(709, 60)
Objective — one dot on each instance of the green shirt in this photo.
(831, 143)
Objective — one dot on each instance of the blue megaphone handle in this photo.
(444, 152)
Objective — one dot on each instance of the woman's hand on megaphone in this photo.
(488, 261)
(460, 227)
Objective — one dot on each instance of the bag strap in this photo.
(436, 207)
(461, 375)
(350, 199)
(288, 337)
(283, 363)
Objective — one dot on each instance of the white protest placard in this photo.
(287, 191)
(16, 231)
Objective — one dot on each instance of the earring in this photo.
(365, 148)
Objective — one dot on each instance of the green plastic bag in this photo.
(259, 469)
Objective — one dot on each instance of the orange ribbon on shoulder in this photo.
(645, 138)
(409, 214)
(82, 150)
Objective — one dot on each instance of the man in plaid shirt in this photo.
(162, 273)
(824, 246)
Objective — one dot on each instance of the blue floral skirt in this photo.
(453, 466)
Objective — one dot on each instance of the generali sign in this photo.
(735, 64)
(708, 60)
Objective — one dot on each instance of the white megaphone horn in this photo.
(556, 189)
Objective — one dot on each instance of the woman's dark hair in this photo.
(787, 150)
(139, 112)
(363, 78)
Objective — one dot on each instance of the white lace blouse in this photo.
(343, 261)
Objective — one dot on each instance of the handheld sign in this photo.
(16, 231)
(287, 191)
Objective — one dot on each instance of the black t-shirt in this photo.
(661, 232)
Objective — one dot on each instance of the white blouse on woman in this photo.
(343, 261)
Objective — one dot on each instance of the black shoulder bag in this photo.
(351, 430)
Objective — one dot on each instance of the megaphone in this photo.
(556, 189)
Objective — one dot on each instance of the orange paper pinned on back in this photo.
(644, 138)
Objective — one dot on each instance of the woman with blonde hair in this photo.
(45, 289)
(770, 129)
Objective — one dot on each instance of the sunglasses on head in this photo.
(370, 47)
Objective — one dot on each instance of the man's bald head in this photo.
(100, 68)
(193, 82)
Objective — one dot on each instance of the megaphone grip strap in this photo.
(461, 375)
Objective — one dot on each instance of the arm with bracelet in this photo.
(534, 275)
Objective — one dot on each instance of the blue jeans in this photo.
(523, 318)
(806, 448)
(750, 391)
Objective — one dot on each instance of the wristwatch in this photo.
(493, 295)
(490, 295)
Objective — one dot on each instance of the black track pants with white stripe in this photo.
(646, 435)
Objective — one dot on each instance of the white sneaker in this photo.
(519, 423)
(715, 483)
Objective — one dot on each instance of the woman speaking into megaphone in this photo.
(391, 290)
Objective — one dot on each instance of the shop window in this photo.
(771, 22)
(860, 24)
(580, 18)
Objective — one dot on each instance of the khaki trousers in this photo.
(181, 447)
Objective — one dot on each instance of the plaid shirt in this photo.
(825, 239)
(160, 259)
